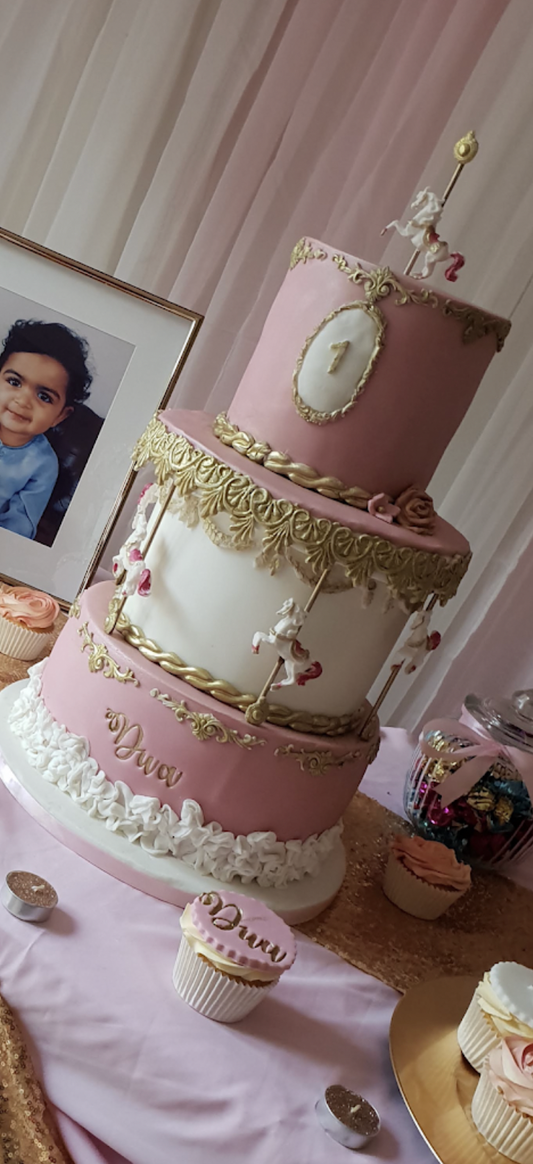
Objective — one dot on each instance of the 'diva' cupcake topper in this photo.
(428, 207)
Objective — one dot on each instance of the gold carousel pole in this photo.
(394, 672)
(464, 151)
(120, 605)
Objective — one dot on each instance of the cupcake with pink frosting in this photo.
(502, 1107)
(424, 877)
(26, 622)
(232, 953)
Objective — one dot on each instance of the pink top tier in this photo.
(244, 930)
(420, 385)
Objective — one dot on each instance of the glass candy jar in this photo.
(470, 784)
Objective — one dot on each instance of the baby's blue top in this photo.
(27, 476)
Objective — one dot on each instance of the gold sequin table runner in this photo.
(27, 1132)
(491, 923)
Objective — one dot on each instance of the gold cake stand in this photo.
(435, 1081)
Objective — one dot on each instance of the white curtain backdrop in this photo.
(185, 145)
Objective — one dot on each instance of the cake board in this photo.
(167, 878)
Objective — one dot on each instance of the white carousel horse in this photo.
(297, 660)
(421, 231)
(129, 561)
(136, 576)
(418, 643)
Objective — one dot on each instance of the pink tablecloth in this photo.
(136, 1076)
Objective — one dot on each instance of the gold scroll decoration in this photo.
(381, 282)
(207, 727)
(27, 1132)
(300, 721)
(410, 575)
(316, 762)
(101, 660)
(303, 252)
(75, 609)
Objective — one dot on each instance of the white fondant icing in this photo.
(64, 760)
(190, 575)
(326, 390)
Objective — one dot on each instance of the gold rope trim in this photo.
(298, 473)
(299, 721)
(411, 575)
(27, 1134)
(380, 282)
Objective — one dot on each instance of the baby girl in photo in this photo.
(43, 376)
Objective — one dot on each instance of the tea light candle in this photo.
(27, 896)
(346, 1117)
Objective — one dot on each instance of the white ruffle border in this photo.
(64, 760)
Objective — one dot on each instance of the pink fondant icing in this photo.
(197, 428)
(244, 930)
(421, 386)
(246, 790)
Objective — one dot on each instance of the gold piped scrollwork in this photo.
(75, 609)
(303, 251)
(381, 282)
(476, 324)
(316, 762)
(300, 474)
(300, 721)
(101, 660)
(206, 727)
(411, 575)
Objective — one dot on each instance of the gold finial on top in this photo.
(466, 148)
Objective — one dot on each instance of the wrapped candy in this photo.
(470, 787)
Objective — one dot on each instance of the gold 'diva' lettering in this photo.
(230, 923)
(128, 741)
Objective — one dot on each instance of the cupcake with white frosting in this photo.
(27, 620)
(502, 1107)
(424, 877)
(232, 953)
(501, 1006)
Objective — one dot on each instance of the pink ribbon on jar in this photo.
(473, 759)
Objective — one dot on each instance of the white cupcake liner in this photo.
(505, 1128)
(19, 642)
(414, 895)
(212, 993)
(476, 1034)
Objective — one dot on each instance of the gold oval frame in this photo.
(313, 415)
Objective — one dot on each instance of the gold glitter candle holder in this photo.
(28, 896)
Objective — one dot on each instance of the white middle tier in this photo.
(207, 601)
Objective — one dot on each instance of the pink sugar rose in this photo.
(415, 510)
(381, 506)
(29, 608)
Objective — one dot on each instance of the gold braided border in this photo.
(296, 471)
(299, 721)
(411, 575)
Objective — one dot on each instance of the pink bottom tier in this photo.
(99, 687)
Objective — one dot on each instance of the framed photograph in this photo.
(85, 361)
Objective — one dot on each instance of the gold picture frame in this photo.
(135, 345)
